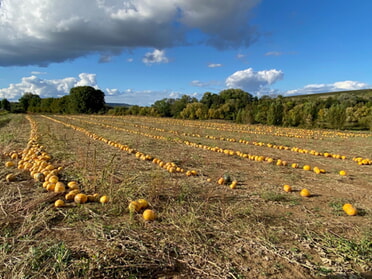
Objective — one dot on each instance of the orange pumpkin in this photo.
(305, 193)
(233, 184)
(350, 209)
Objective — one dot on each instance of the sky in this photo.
(141, 51)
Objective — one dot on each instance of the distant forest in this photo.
(335, 110)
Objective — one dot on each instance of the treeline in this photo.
(349, 110)
(82, 99)
(337, 111)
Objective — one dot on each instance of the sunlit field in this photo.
(182, 199)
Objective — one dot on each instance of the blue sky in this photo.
(140, 51)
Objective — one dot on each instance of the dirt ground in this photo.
(203, 229)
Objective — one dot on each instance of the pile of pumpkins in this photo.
(35, 160)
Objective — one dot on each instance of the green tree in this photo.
(86, 99)
(163, 107)
(275, 113)
(5, 105)
(30, 102)
(180, 104)
(46, 105)
(336, 116)
(310, 113)
(134, 110)
(212, 100)
(62, 105)
(195, 111)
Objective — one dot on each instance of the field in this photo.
(203, 227)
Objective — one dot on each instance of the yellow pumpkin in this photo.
(104, 199)
(10, 177)
(143, 203)
(134, 206)
(51, 186)
(92, 198)
(221, 181)
(53, 179)
(306, 167)
(70, 196)
(73, 185)
(81, 198)
(305, 193)
(59, 187)
(9, 164)
(342, 172)
(149, 215)
(59, 203)
(350, 209)
(316, 170)
(287, 188)
(14, 156)
(233, 184)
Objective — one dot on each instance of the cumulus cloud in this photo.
(157, 56)
(39, 32)
(212, 65)
(331, 87)
(252, 81)
(46, 88)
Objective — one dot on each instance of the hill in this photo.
(360, 93)
(118, 105)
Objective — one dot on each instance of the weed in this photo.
(336, 206)
(273, 196)
(350, 250)
(52, 258)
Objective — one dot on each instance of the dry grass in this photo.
(203, 230)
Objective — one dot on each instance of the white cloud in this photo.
(46, 88)
(253, 82)
(198, 83)
(212, 83)
(214, 65)
(39, 32)
(57, 88)
(38, 73)
(157, 56)
(273, 53)
(141, 97)
(331, 87)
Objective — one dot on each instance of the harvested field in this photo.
(203, 227)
